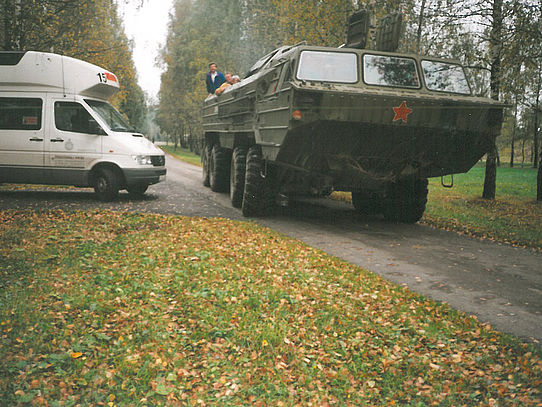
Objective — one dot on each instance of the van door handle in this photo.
(36, 139)
(57, 140)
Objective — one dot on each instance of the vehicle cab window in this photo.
(383, 70)
(72, 116)
(325, 66)
(445, 77)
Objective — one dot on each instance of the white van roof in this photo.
(33, 71)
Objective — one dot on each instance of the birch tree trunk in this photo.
(495, 46)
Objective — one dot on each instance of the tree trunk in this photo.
(490, 179)
(536, 110)
(495, 47)
(538, 153)
(512, 149)
(420, 26)
(522, 153)
(512, 146)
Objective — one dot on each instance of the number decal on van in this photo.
(106, 76)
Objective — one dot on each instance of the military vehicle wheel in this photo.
(406, 201)
(219, 169)
(368, 204)
(257, 199)
(205, 157)
(106, 185)
(237, 176)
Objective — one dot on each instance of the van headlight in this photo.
(142, 159)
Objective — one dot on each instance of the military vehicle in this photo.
(309, 120)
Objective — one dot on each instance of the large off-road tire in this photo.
(258, 193)
(205, 158)
(219, 169)
(137, 190)
(106, 185)
(366, 203)
(406, 200)
(237, 176)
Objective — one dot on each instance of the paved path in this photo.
(498, 283)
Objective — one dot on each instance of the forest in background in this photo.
(85, 29)
(500, 41)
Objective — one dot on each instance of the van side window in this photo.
(20, 113)
(72, 116)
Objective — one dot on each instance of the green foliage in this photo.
(86, 29)
(234, 34)
(109, 308)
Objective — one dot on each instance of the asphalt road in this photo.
(498, 283)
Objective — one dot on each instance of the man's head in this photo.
(212, 67)
(229, 77)
(235, 78)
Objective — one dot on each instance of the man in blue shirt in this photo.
(214, 79)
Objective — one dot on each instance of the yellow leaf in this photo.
(76, 355)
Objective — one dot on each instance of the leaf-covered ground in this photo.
(105, 308)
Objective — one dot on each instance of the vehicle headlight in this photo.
(142, 159)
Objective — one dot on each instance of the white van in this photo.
(56, 127)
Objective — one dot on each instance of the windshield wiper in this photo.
(120, 128)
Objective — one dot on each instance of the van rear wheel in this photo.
(106, 185)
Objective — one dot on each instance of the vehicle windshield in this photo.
(328, 67)
(384, 70)
(110, 115)
(445, 77)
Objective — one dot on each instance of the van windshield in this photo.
(110, 115)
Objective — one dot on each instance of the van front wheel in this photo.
(137, 190)
(106, 185)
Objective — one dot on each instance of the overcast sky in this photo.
(147, 26)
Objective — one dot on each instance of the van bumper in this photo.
(144, 176)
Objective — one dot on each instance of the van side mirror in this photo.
(95, 128)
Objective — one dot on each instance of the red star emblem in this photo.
(401, 112)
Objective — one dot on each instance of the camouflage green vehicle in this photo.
(310, 120)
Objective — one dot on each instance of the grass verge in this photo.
(109, 308)
(513, 217)
(183, 155)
